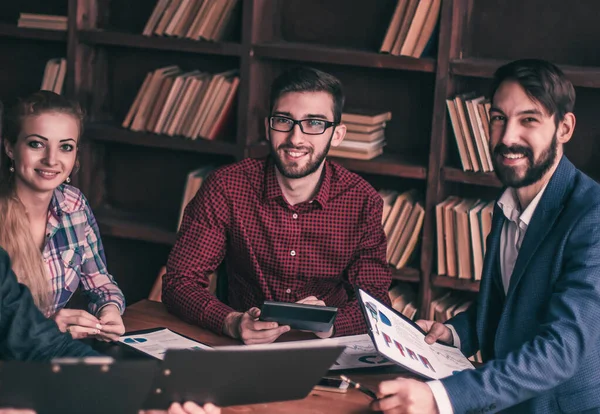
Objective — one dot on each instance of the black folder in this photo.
(77, 386)
(246, 374)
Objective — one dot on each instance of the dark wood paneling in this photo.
(361, 25)
(556, 30)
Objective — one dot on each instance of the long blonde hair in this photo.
(15, 228)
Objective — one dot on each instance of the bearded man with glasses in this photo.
(293, 227)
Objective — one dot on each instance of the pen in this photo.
(359, 387)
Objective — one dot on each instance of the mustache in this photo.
(286, 146)
(502, 149)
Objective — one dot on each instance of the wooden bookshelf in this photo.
(109, 133)
(457, 175)
(587, 77)
(407, 274)
(112, 38)
(12, 30)
(338, 56)
(130, 225)
(143, 172)
(455, 283)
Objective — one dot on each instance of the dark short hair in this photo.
(542, 81)
(306, 79)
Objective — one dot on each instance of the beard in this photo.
(293, 169)
(535, 170)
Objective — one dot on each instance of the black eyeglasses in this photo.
(307, 126)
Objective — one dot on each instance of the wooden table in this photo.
(147, 314)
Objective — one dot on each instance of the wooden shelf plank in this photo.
(406, 274)
(12, 30)
(488, 179)
(455, 283)
(584, 76)
(110, 38)
(395, 165)
(111, 133)
(339, 56)
(132, 225)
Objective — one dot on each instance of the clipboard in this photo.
(73, 385)
(246, 374)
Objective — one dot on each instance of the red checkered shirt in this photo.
(275, 251)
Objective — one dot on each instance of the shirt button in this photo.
(288, 291)
(293, 253)
(294, 216)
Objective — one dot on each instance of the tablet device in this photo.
(246, 374)
(299, 316)
(75, 386)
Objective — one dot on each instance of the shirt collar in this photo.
(272, 190)
(64, 201)
(509, 203)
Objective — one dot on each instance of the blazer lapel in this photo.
(550, 206)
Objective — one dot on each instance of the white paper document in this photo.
(399, 341)
(158, 342)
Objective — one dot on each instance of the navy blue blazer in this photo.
(541, 339)
(25, 334)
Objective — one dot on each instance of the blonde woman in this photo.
(48, 228)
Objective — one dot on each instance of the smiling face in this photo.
(524, 140)
(297, 154)
(45, 151)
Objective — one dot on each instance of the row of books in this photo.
(402, 221)
(412, 27)
(463, 225)
(54, 75)
(447, 305)
(191, 104)
(470, 119)
(404, 299)
(192, 19)
(365, 134)
(42, 21)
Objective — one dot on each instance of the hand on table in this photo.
(79, 323)
(405, 396)
(186, 408)
(15, 411)
(112, 324)
(250, 330)
(435, 331)
(313, 300)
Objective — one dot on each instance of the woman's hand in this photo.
(112, 324)
(79, 323)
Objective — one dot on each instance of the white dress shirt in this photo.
(511, 238)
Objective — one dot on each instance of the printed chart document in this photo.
(157, 342)
(401, 341)
(359, 351)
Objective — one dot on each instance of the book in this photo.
(394, 27)
(429, 29)
(366, 116)
(364, 129)
(376, 135)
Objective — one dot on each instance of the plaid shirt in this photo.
(276, 251)
(73, 253)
